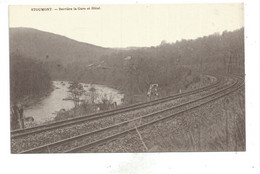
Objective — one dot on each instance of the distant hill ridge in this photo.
(47, 46)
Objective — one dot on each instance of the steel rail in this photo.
(48, 146)
(115, 136)
(69, 122)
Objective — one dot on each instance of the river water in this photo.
(46, 109)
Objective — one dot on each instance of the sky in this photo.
(202, 163)
(131, 25)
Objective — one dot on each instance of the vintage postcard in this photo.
(127, 78)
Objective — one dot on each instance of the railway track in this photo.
(104, 135)
(86, 118)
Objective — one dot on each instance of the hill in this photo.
(173, 66)
(47, 46)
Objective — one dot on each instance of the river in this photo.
(45, 110)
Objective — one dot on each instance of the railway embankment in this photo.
(217, 126)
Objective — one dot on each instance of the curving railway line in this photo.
(102, 135)
(59, 124)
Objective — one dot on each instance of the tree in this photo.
(106, 102)
(28, 78)
(76, 90)
(93, 94)
(163, 42)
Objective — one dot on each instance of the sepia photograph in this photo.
(127, 78)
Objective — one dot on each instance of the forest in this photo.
(172, 66)
(28, 78)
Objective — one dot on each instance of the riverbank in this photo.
(105, 98)
(101, 99)
(32, 100)
(90, 108)
(49, 107)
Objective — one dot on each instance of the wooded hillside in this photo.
(173, 66)
(28, 78)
